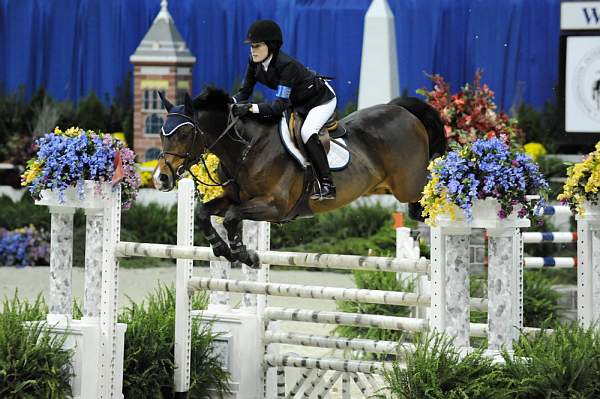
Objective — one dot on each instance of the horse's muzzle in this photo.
(162, 181)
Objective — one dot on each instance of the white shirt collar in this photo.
(265, 63)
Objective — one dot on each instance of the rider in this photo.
(297, 87)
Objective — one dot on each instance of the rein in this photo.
(189, 161)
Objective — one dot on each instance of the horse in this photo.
(390, 144)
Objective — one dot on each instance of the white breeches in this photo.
(317, 117)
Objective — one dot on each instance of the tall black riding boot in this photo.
(318, 158)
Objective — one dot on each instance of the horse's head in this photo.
(187, 134)
(180, 144)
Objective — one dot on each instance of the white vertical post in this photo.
(183, 309)
(588, 268)
(219, 301)
(256, 236)
(449, 311)
(408, 248)
(93, 263)
(110, 278)
(505, 262)
(61, 262)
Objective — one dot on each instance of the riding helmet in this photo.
(265, 30)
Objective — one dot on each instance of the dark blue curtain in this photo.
(72, 47)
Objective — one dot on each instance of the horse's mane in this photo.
(212, 98)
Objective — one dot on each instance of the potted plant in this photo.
(485, 179)
(76, 164)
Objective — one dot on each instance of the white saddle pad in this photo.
(338, 156)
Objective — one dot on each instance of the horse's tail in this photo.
(430, 118)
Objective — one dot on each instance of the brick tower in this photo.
(162, 62)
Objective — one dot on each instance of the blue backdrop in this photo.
(73, 47)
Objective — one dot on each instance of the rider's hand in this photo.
(240, 109)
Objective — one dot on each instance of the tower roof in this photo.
(163, 42)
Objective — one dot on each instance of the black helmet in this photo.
(266, 31)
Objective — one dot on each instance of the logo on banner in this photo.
(587, 83)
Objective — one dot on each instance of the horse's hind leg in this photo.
(203, 213)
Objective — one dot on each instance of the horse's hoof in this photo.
(252, 260)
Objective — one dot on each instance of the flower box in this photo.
(93, 195)
(484, 216)
(65, 161)
(483, 185)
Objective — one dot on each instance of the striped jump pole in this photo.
(556, 210)
(532, 262)
(557, 237)
(298, 259)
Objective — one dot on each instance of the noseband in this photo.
(188, 159)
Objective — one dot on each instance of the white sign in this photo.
(582, 84)
(577, 15)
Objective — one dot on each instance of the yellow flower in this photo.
(583, 181)
(147, 175)
(120, 136)
(535, 150)
(198, 170)
(32, 171)
(73, 132)
(434, 204)
(57, 130)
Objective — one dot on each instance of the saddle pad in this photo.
(338, 156)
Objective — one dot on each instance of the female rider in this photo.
(296, 86)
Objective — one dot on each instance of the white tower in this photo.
(379, 81)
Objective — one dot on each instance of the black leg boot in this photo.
(318, 158)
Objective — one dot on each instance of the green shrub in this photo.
(540, 301)
(361, 221)
(375, 281)
(436, 370)
(32, 361)
(565, 364)
(149, 342)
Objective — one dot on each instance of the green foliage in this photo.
(19, 118)
(23, 213)
(149, 343)
(372, 280)
(540, 301)
(565, 364)
(349, 230)
(553, 168)
(435, 370)
(32, 361)
(544, 127)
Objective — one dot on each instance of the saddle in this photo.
(331, 130)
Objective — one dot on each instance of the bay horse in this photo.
(390, 145)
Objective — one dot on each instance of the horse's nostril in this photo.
(163, 178)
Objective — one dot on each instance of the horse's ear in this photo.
(166, 103)
(189, 106)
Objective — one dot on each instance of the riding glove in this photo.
(241, 109)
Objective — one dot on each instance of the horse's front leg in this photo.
(217, 206)
(255, 209)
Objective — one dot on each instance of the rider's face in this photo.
(259, 52)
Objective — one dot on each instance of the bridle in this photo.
(189, 159)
